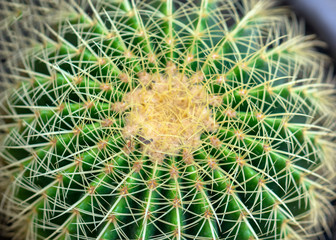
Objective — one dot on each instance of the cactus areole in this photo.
(124, 119)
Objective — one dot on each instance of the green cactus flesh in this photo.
(167, 120)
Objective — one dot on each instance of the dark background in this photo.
(320, 18)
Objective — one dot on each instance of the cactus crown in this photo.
(160, 119)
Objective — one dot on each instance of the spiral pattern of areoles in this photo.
(158, 119)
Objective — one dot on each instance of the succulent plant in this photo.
(160, 119)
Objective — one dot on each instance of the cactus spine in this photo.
(160, 119)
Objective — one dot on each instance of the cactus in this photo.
(160, 119)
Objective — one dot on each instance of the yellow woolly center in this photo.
(168, 112)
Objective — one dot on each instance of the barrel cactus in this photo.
(163, 119)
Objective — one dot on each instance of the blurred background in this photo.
(320, 17)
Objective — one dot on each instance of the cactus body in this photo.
(165, 120)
